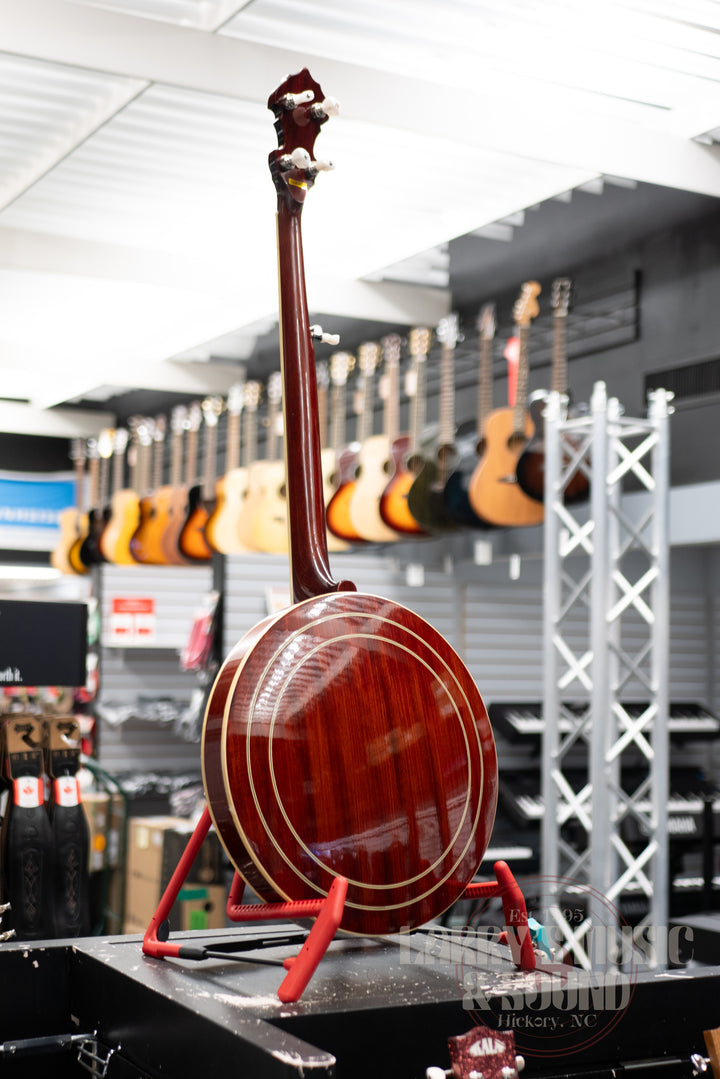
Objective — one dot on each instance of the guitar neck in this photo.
(337, 418)
(485, 379)
(446, 418)
(419, 405)
(232, 452)
(522, 381)
(250, 445)
(208, 485)
(559, 354)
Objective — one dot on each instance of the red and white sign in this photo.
(132, 620)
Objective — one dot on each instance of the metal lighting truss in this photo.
(606, 615)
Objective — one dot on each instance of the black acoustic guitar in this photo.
(470, 436)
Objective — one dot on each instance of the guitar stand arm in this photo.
(327, 912)
(518, 934)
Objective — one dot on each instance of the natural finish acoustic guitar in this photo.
(495, 493)
(124, 508)
(222, 528)
(73, 520)
(343, 736)
(266, 503)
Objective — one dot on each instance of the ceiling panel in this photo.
(136, 209)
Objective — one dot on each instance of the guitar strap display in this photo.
(70, 836)
(27, 844)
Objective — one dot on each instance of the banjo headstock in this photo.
(300, 109)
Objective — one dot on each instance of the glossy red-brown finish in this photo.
(345, 737)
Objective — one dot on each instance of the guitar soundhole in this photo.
(387, 467)
(516, 440)
(282, 491)
(415, 464)
(480, 447)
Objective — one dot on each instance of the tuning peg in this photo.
(329, 107)
(321, 166)
(317, 334)
(298, 159)
(291, 101)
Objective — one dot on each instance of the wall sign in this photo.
(132, 620)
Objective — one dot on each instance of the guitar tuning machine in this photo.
(317, 334)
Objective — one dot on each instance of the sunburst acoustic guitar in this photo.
(394, 499)
(146, 541)
(373, 459)
(337, 512)
(495, 493)
(199, 483)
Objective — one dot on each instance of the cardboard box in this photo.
(105, 815)
(154, 848)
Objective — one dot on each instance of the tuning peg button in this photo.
(291, 101)
(317, 334)
(321, 166)
(298, 159)
(329, 107)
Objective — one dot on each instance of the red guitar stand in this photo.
(327, 912)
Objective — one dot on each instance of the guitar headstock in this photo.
(392, 348)
(178, 419)
(323, 375)
(105, 442)
(419, 342)
(274, 388)
(193, 417)
(368, 357)
(341, 364)
(526, 306)
(120, 441)
(236, 398)
(300, 109)
(251, 396)
(561, 296)
(486, 321)
(448, 331)
(77, 449)
(211, 410)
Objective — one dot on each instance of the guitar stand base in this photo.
(518, 932)
(327, 912)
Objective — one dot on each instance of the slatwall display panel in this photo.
(176, 590)
(139, 676)
(503, 635)
(250, 580)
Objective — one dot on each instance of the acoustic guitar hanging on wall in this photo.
(343, 736)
